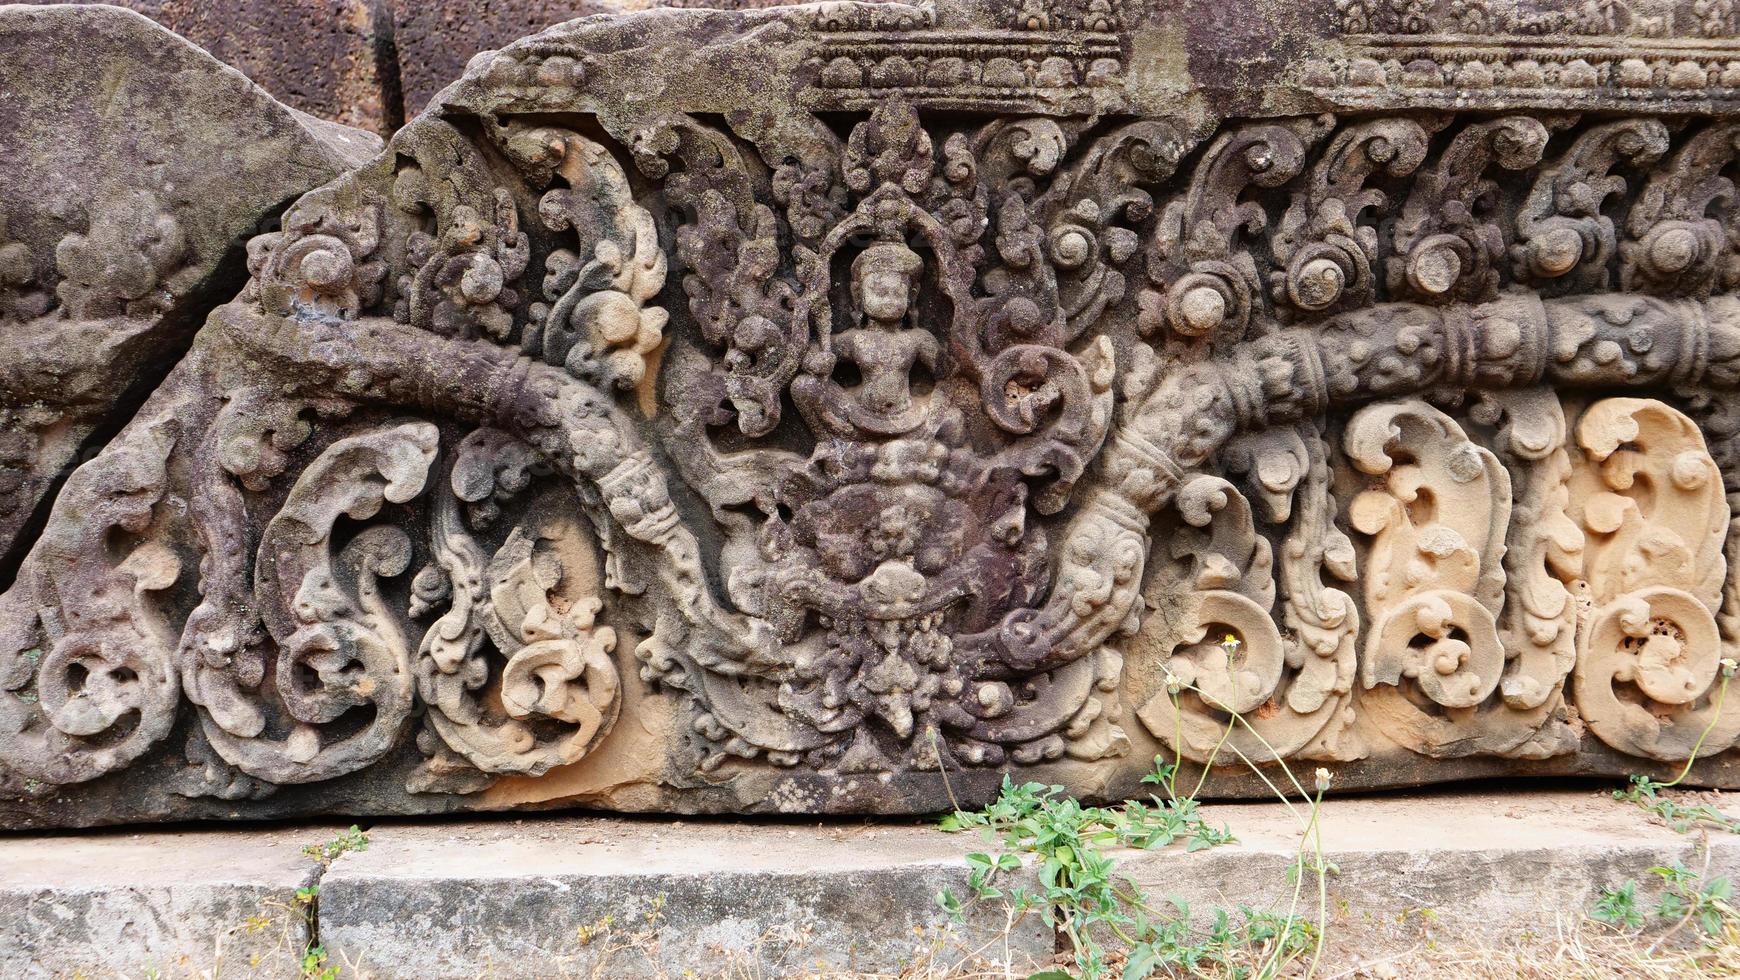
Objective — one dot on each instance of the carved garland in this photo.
(1065, 426)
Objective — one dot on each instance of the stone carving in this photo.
(338, 648)
(1564, 241)
(959, 414)
(90, 683)
(113, 246)
(1435, 587)
(1448, 244)
(889, 560)
(599, 324)
(557, 662)
(1641, 18)
(1539, 624)
(1656, 520)
(1226, 652)
(1060, 52)
(1676, 246)
(1560, 49)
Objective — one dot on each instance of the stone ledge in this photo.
(1479, 869)
(511, 900)
(178, 903)
(524, 898)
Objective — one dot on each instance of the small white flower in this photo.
(1323, 777)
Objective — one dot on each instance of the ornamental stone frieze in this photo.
(834, 408)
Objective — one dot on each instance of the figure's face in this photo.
(882, 294)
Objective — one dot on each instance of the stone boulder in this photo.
(133, 168)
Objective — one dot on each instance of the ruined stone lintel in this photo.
(840, 453)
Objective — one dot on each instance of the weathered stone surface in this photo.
(1464, 869)
(127, 189)
(510, 899)
(821, 409)
(190, 903)
(436, 40)
(1467, 869)
(330, 58)
(368, 63)
(617, 898)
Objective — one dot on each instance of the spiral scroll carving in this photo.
(801, 459)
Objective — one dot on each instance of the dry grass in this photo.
(1585, 949)
(610, 950)
(1582, 950)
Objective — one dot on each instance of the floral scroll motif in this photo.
(87, 680)
(339, 648)
(1435, 587)
(1650, 500)
(1212, 605)
(807, 458)
(518, 678)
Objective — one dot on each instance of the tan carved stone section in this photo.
(1650, 501)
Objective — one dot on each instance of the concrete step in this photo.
(177, 903)
(629, 898)
(611, 897)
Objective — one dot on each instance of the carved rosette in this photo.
(854, 449)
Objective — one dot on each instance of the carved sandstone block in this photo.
(127, 190)
(836, 408)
